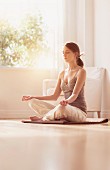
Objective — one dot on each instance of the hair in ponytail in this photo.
(75, 48)
(80, 62)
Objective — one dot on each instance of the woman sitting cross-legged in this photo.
(71, 81)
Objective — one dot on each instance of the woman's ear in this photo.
(77, 55)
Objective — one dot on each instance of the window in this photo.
(30, 33)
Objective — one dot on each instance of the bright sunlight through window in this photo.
(29, 33)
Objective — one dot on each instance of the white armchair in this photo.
(93, 88)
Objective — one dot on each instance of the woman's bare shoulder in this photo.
(82, 70)
(61, 74)
(82, 73)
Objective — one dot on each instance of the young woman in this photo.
(71, 81)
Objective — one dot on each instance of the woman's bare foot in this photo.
(35, 118)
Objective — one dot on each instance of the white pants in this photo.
(48, 111)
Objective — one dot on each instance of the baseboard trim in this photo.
(15, 114)
(19, 114)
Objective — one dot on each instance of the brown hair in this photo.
(75, 48)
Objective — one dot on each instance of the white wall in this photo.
(102, 46)
(14, 83)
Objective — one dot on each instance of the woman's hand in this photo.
(63, 102)
(25, 98)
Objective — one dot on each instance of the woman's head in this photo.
(72, 49)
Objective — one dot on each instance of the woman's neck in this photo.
(72, 67)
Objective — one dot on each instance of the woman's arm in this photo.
(81, 77)
(54, 96)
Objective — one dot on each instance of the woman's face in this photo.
(69, 56)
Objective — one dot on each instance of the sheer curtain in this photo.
(74, 22)
(55, 38)
(59, 40)
(71, 27)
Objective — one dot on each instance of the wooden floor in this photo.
(54, 147)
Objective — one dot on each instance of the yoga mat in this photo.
(88, 121)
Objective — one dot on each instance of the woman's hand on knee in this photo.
(25, 98)
(63, 102)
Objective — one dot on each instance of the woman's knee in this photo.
(59, 112)
(60, 107)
